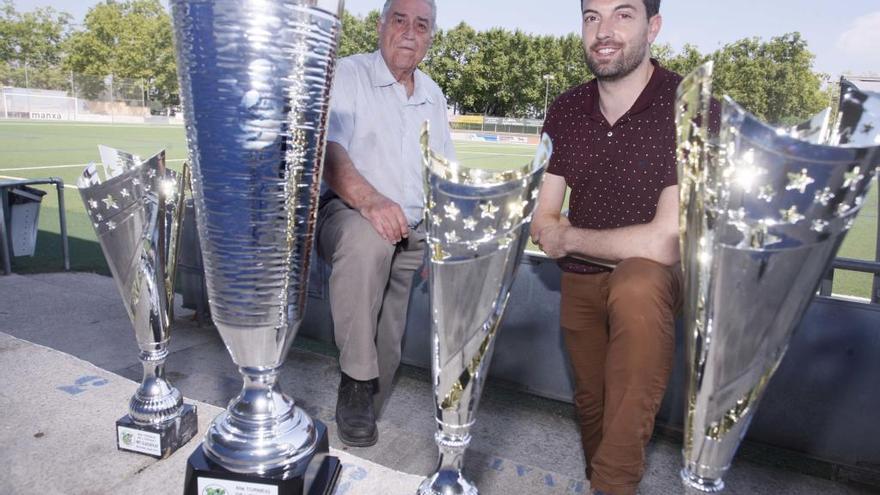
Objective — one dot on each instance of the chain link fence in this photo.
(55, 95)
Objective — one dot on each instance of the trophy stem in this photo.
(262, 431)
(261, 401)
(156, 401)
(696, 484)
(452, 441)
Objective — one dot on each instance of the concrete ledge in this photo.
(58, 433)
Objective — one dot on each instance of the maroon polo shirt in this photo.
(615, 173)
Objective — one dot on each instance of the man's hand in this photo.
(551, 239)
(342, 176)
(386, 217)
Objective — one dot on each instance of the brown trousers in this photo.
(619, 330)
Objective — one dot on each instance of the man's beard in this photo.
(619, 68)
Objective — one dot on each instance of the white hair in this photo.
(387, 7)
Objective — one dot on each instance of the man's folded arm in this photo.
(656, 240)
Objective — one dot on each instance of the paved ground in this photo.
(522, 444)
(59, 438)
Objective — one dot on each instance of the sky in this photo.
(844, 35)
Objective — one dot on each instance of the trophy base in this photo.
(697, 484)
(157, 441)
(315, 476)
(447, 481)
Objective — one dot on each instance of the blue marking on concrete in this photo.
(342, 488)
(83, 383)
(351, 474)
(523, 470)
(576, 487)
(359, 473)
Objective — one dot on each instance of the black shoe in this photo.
(355, 418)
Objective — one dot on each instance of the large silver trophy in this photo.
(255, 80)
(477, 226)
(136, 208)
(763, 211)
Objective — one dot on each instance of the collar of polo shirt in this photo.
(382, 77)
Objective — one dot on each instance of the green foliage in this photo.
(501, 72)
(359, 35)
(130, 39)
(774, 80)
(31, 46)
(34, 37)
(452, 61)
(495, 72)
(683, 63)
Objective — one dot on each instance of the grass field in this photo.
(36, 150)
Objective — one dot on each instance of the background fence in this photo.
(51, 94)
(495, 124)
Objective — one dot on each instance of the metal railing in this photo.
(854, 265)
(5, 246)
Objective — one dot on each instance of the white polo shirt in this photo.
(378, 125)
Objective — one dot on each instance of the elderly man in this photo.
(370, 222)
(614, 146)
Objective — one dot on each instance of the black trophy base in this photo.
(157, 441)
(316, 475)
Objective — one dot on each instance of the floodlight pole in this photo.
(547, 79)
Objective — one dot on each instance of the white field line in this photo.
(66, 186)
(468, 142)
(75, 165)
(465, 152)
(465, 146)
(12, 122)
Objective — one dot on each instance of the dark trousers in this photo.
(619, 330)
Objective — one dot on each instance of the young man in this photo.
(614, 146)
(369, 224)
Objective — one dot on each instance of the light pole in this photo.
(547, 79)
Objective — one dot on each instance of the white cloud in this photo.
(862, 39)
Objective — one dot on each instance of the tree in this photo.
(682, 63)
(574, 69)
(130, 39)
(31, 46)
(774, 80)
(359, 35)
(449, 63)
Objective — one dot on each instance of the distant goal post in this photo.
(24, 105)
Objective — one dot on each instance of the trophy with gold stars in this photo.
(763, 211)
(477, 226)
(136, 207)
